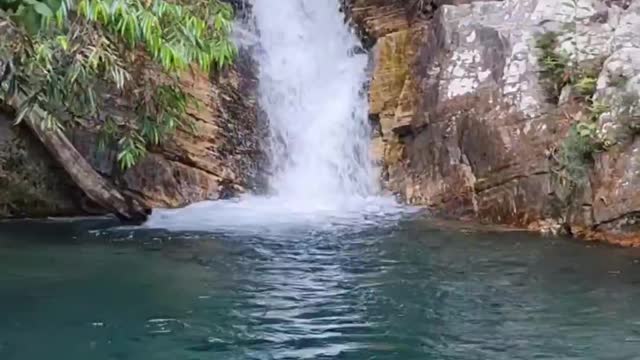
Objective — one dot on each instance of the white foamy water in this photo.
(311, 87)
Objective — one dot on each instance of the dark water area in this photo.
(82, 291)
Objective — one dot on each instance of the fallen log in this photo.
(96, 187)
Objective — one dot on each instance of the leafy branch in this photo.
(81, 60)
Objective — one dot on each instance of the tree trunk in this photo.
(83, 175)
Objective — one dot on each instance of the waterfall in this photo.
(311, 88)
(312, 76)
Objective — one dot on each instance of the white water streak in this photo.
(311, 87)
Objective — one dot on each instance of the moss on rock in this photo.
(30, 184)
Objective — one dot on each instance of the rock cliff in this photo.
(468, 125)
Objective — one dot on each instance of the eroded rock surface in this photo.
(468, 129)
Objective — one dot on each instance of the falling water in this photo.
(312, 76)
(311, 87)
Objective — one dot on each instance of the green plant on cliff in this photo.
(570, 64)
(597, 109)
(601, 123)
(557, 70)
(555, 66)
(586, 85)
(112, 65)
(574, 157)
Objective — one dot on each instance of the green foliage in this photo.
(556, 71)
(575, 155)
(176, 35)
(586, 86)
(597, 109)
(89, 56)
(559, 70)
(30, 13)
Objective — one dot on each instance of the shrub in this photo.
(555, 65)
(574, 156)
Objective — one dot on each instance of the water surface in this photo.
(75, 291)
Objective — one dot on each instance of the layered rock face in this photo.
(217, 158)
(467, 127)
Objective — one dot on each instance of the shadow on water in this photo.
(413, 290)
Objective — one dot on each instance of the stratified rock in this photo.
(392, 89)
(377, 18)
(216, 157)
(467, 127)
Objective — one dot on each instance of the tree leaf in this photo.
(42, 9)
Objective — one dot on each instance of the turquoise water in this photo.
(416, 290)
